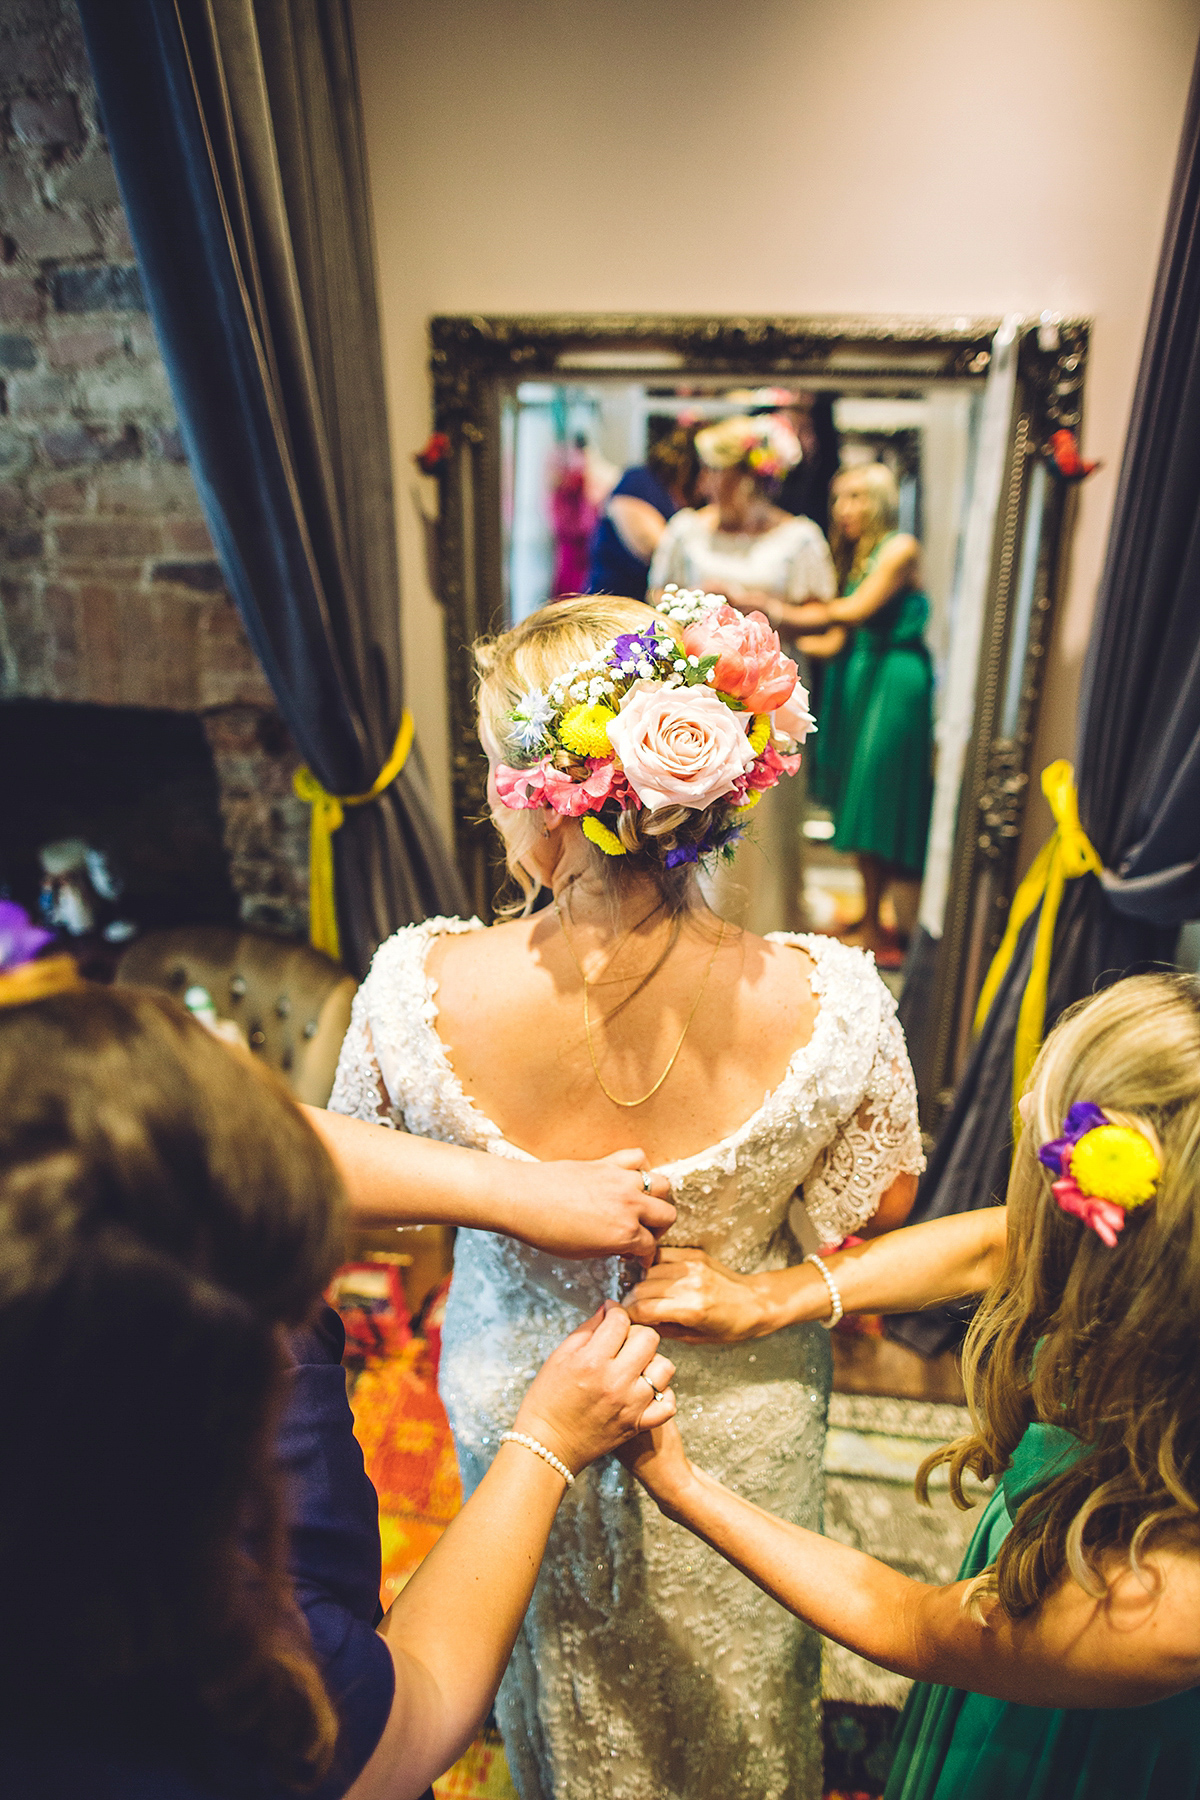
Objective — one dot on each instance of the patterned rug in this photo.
(405, 1436)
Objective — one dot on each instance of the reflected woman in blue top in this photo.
(638, 509)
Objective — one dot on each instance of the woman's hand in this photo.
(659, 1461)
(690, 1296)
(585, 1209)
(594, 1392)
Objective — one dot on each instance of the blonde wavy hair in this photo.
(1103, 1342)
(850, 558)
(548, 643)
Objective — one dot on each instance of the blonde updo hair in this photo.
(530, 656)
(1104, 1342)
(851, 558)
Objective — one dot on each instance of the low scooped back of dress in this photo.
(647, 1668)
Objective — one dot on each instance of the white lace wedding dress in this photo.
(647, 1668)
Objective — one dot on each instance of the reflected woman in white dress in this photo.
(762, 559)
(750, 1069)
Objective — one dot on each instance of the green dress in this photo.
(875, 743)
(952, 1745)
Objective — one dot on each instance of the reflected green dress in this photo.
(874, 747)
(956, 1746)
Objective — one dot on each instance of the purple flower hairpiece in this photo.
(20, 938)
(1103, 1169)
(1083, 1117)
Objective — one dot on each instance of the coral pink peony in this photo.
(679, 746)
(792, 722)
(750, 665)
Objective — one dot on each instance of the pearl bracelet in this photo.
(531, 1443)
(834, 1294)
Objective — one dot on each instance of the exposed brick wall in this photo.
(109, 588)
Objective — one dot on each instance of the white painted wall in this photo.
(912, 156)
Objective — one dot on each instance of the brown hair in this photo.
(673, 459)
(163, 1209)
(850, 559)
(546, 645)
(1104, 1342)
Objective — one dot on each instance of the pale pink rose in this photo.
(792, 722)
(679, 746)
(750, 665)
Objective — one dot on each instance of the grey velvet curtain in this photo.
(236, 135)
(1138, 754)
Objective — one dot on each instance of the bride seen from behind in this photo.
(624, 745)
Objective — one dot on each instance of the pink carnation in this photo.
(545, 785)
(679, 746)
(768, 771)
(520, 788)
(750, 664)
(574, 798)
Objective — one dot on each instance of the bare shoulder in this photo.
(777, 977)
(902, 551)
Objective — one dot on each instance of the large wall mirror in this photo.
(541, 415)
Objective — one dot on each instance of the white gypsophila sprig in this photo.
(686, 605)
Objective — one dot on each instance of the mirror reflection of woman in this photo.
(763, 560)
(645, 1667)
(874, 757)
(638, 510)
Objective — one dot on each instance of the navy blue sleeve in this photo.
(334, 1555)
(640, 483)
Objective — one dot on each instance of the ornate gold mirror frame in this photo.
(477, 361)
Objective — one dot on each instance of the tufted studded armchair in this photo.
(292, 1003)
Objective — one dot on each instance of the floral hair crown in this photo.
(701, 707)
(1103, 1169)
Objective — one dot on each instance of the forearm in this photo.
(1072, 1651)
(848, 1596)
(452, 1629)
(392, 1178)
(903, 1271)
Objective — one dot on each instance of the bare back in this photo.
(510, 1015)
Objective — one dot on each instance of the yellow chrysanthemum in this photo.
(1116, 1163)
(760, 731)
(584, 730)
(601, 836)
(751, 801)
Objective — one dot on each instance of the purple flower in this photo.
(682, 853)
(634, 647)
(1083, 1117)
(20, 938)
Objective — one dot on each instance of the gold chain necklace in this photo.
(587, 1019)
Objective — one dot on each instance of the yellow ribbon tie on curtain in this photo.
(1065, 856)
(327, 816)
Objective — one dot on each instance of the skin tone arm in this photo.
(572, 1209)
(1138, 1643)
(638, 524)
(690, 1296)
(452, 1629)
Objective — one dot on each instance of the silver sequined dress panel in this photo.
(647, 1668)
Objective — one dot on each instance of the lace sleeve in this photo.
(358, 1088)
(878, 1142)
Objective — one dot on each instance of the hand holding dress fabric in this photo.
(603, 1384)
